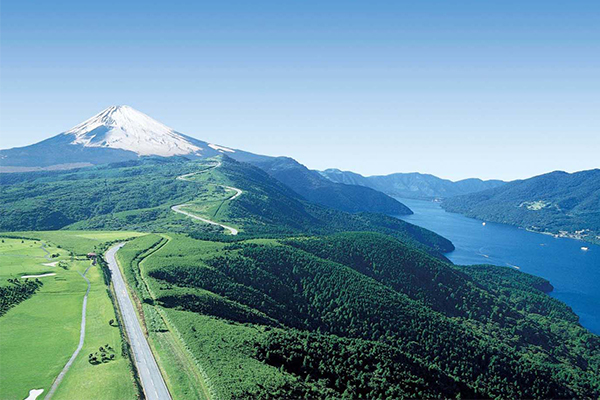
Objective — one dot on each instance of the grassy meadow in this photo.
(39, 334)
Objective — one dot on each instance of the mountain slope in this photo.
(120, 133)
(139, 194)
(558, 203)
(412, 185)
(122, 127)
(361, 315)
(317, 189)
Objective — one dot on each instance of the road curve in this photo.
(153, 384)
(237, 194)
(47, 255)
(178, 207)
(65, 369)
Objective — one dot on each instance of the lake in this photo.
(574, 273)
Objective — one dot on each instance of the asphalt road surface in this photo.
(153, 383)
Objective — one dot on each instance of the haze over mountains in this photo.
(411, 185)
(558, 202)
(121, 133)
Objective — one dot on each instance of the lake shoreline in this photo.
(573, 273)
(556, 235)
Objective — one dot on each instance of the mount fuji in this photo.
(118, 133)
(121, 133)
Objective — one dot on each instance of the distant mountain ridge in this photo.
(412, 185)
(318, 189)
(558, 202)
(121, 133)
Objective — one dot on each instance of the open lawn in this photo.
(111, 380)
(79, 242)
(39, 334)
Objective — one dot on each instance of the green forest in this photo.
(137, 195)
(551, 203)
(307, 301)
(363, 315)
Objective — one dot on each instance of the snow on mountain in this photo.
(122, 127)
(117, 134)
(220, 148)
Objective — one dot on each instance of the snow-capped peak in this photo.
(220, 148)
(122, 127)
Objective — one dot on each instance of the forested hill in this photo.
(318, 189)
(138, 195)
(558, 203)
(363, 315)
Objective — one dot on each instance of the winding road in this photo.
(153, 384)
(65, 369)
(47, 255)
(178, 207)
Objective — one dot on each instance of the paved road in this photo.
(178, 207)
(153, 383)
(47, 255)
(65, 369)
(238, 192)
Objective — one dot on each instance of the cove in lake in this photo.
(574, 273)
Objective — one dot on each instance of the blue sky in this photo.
(458, 89)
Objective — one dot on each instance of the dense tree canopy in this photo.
(367, 315)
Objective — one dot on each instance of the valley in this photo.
(217, 273)
(299, 200)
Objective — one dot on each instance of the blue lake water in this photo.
(574, 273)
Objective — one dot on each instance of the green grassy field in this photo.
(39, 335)
(182, 372)
(79, 242)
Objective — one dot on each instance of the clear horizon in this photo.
(492, 91)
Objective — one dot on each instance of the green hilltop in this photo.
(255, 292)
